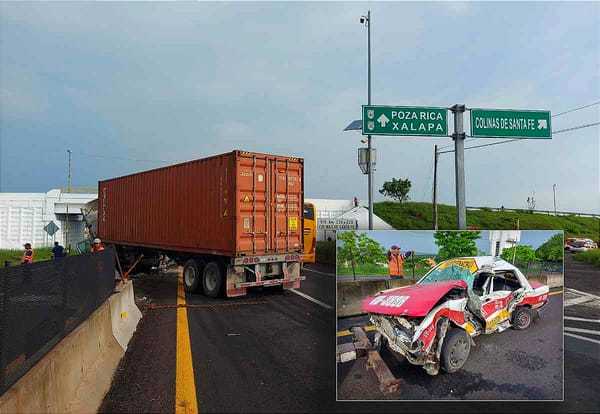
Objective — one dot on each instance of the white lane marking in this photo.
(589, 295)
(577, 301)
(321, 273)
(305, 296)
(571, 318)
(587, 331)
(583, 338)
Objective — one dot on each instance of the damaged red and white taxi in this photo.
(433, 322)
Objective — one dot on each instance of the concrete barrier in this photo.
(351, 293)
(552, 280)
(76, 374)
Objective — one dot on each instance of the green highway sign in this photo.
(404, 120)
(508, 123)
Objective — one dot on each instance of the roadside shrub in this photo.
(591, 257)
(325, 252)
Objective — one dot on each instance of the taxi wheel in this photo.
(522, 318)
(455, 350)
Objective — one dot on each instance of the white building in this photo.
(503, 239)
(329, 209)
(23, 217)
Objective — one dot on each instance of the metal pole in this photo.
(554, 191)
(67, 245)
(435, 207)
(459, 165)
(370, 153)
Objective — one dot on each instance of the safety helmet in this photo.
(97, 240)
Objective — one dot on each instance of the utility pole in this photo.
(459, 165)
(67, 245)
(554, 191)
(435, 207)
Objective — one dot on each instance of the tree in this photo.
(552, 250)
(456, 243)
(360, 248)
(522, 254)
(397, 189)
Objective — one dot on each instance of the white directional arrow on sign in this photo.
(542, 124)
(383, 120)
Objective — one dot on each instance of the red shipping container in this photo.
(235, 204)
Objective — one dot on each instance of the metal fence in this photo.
(42, 302)
(540, 268)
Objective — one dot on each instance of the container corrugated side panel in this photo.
(185, 207)
(270, 199)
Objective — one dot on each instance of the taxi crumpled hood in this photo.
(413, 300)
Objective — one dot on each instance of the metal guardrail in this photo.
(79, 190)
(548, 212)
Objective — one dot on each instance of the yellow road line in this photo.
(185, 387)
(347, 332)
(555, 293)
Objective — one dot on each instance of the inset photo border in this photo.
(450, 315)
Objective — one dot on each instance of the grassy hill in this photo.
(419, 216)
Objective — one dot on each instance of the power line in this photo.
(577, 127)
(520, 139)
(553, 116)
(119, 158)
(576, 109)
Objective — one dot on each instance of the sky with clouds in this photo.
(423, 242)
(133, 86)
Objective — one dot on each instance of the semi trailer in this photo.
(233, 220)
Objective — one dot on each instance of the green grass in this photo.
(590, 256)
(419, 216)
(325, 252)
(14, 256)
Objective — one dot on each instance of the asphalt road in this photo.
(265, 352)
(581, 276)
(510, 365)
(281, 356)
(582, 336)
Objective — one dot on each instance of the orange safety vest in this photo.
(28, 258)
(96, 249)
(395, 264)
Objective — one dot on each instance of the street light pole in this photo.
(67, 244)
(554, 191)
(370, 146)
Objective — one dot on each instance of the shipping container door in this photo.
(252, 204)
(269, 193)
(286, 213)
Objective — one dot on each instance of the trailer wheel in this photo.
(212, 280)
(455, 350)
(522, 318)
(191, 276)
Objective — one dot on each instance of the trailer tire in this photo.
(455, 350)
(212, 280)
(192, 276)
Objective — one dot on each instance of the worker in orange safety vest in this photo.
(97, 246)
(28, 255)
(395, 259)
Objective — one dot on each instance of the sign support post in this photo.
(459, 165)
